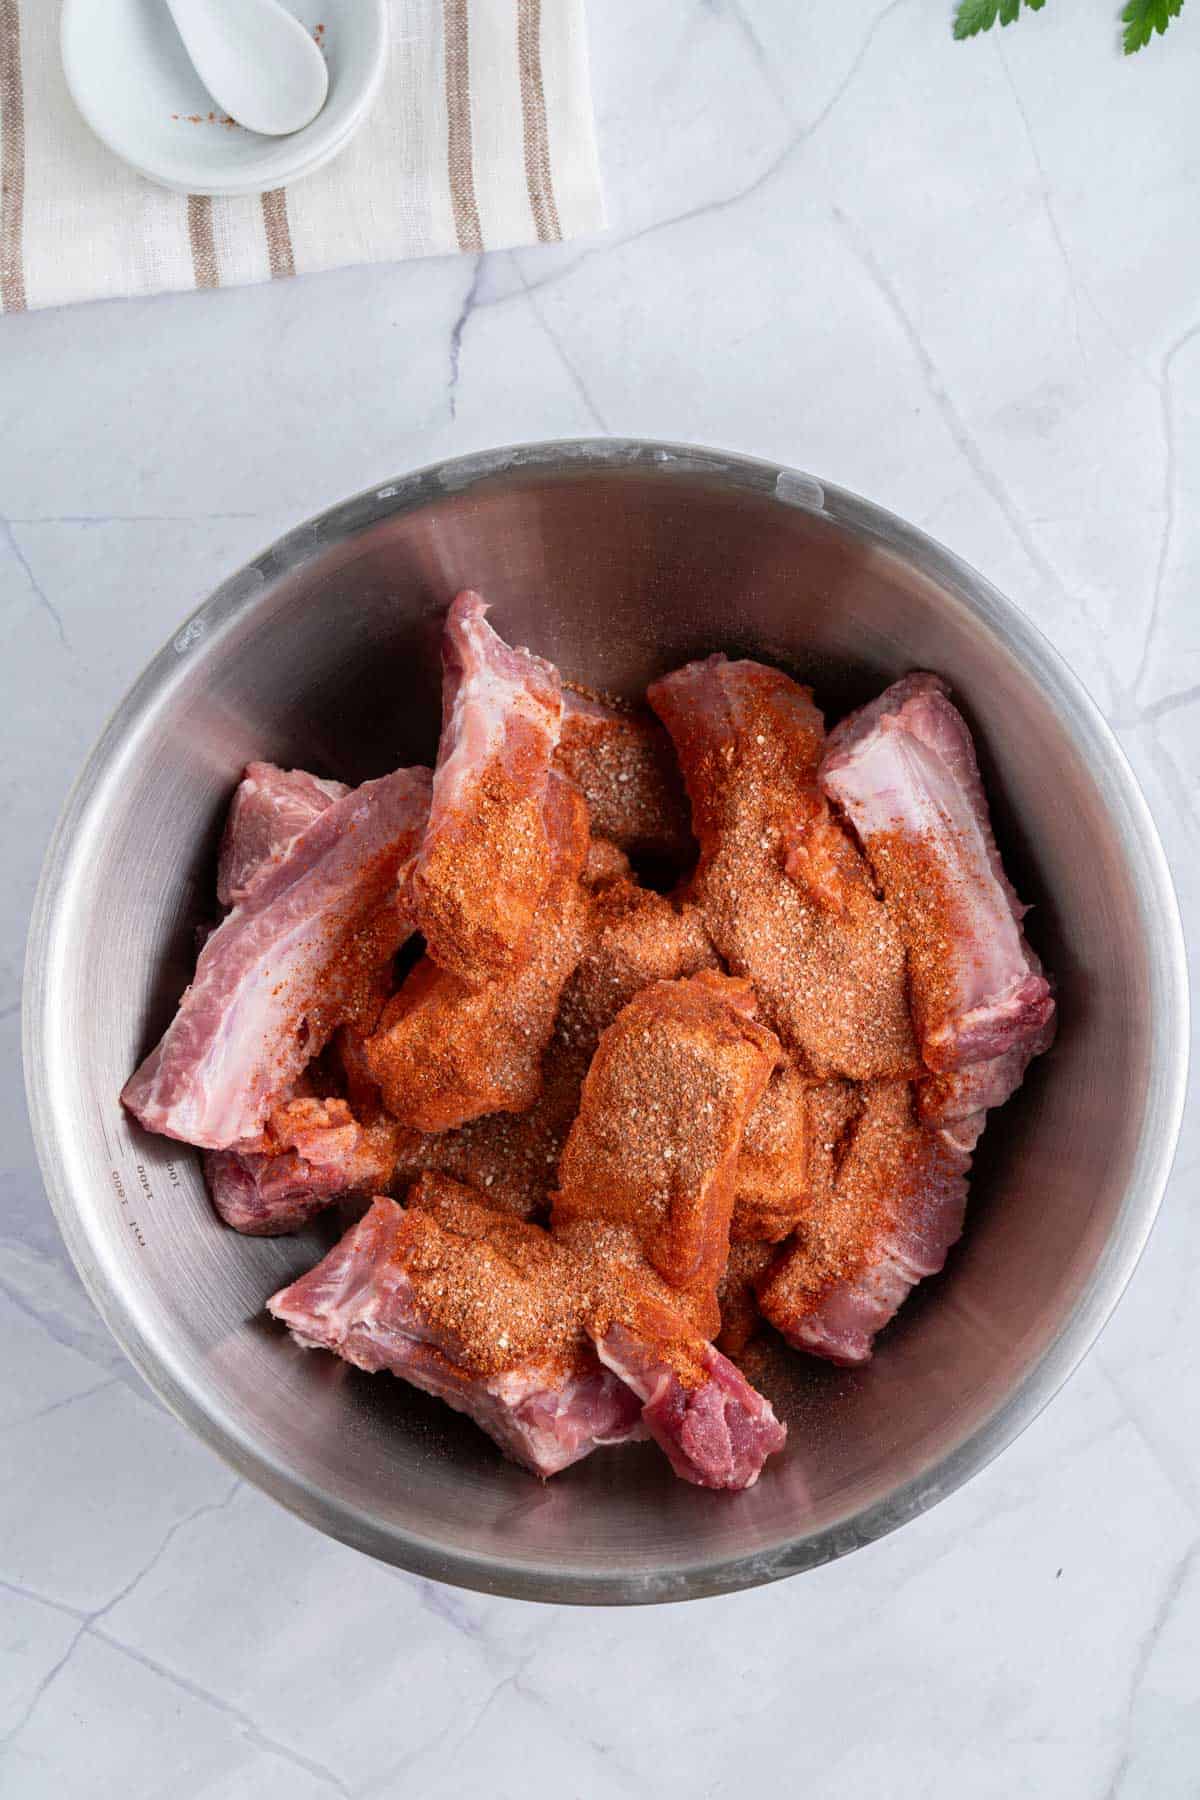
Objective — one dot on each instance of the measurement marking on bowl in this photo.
(123, 1198)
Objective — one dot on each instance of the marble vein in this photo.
(90, 1622)
(455, 1731)
(1147, 1645)
(1048, 207)
(859, 58)
(72, 1323)
(67, 1400)
(253, 1733)
(458, 328)
(9, 537)
(1163, 1456)
(952, 418)
(1169, 703)
(721, 203)
(554, 338)
(1170, 460)
(759, 54)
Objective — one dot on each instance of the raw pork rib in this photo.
(958, 1104)
(655, 1145)
(904, 770)
(740, 1315)
(312, 1151)
(634, 937)
(498, 1319)
(446, 1052)
(476, 1308)
(714, 1428)
(883, 1212)
(485, 861)
(297, 958)
(772, 1172)
(785, 896)
(623, 764)
(268, 812)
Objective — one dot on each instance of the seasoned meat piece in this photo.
(300, 956)
(498, 1319)
(715, 1429)
(313, 1151)
(785, 896)
(887, 1203)
(476, 1308)
(958, 1104)
(485, 863)
(268, 812)
(740, 1315)
(772, 1171)
(604, 863)
(709, 1422)
(624, 765)
(712, 1426)
(664, 1106)
(904, 769)
(446, 1052)
(634, 937)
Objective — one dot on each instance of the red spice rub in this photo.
(786, 898)
(904, 768)
(348, 1144)
(552, 1349)
(886, 1201)
(740, 1315)
(485, 862)
(664, 1106)
(503, 1289)
(622, 760)
(772, 1172)
(635, 937)
(509, 1292)
(446, 1052)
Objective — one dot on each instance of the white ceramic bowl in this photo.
(130, 77)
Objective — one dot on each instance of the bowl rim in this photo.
(1169, 1054)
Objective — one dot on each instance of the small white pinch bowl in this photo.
(130, 77)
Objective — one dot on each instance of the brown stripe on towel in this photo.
(204, 247)
(12, 161)
(279, 233)
(458, 114)
(538, 174)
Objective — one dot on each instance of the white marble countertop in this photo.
(959, 279)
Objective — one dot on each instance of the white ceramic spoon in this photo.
(256, 60)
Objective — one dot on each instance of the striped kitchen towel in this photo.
(482, 139)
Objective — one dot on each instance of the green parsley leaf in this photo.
(974, 16)
(1142, 18)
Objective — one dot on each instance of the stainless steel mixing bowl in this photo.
(618, 560)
